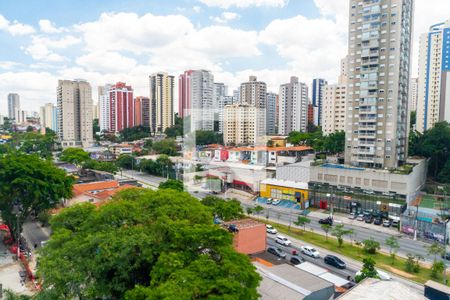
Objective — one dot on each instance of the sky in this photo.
(106, 41)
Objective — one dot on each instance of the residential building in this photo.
(433, 102)
(343, 76)
(413, 94)
(142, 111)
(184, 94)
(223, 101)
(48, 116)
(74, 98)
(310, 114)
(317, 96)
(378, 83)
(293, 110)
(271, 112)
(121, 103)
(13, 106)
(333, 108)
(104, 108)
(219, 93)
(161, 101)
(240, 122)
(254, 93)
(95, 111)
(237, 96)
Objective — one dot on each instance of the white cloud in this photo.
(197, 9)
(9, 65)
(225, 17)
(225, 4)
(106, 62)
(15, 28)
(41, 47)
(47, 26)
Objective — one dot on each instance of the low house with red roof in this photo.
(95, 192)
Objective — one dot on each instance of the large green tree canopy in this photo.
(144, 244)
(32, 183)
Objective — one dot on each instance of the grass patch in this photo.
(356, 252)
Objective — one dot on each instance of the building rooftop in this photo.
(244, 223)
(285, 183)
(270, 149)
(371, 289)
(94, 186)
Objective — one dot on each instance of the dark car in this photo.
(277, 252)
(296, 260)
(233, 228)
(335, 261)
(328, 221)
(446, 255)
(368, 219)
(378, 221)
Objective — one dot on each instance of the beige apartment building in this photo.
(161, 95)
(378, 83)
(240, 125)
(254, 93)
(74, 98)
(333, 112)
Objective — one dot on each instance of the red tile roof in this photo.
(80, 188)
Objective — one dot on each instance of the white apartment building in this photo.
(14, 107)
(293, 107)
(271, 113)
(48, 116)
(378, 83)
(433, 100)
(201, 100)
(104, 108)
(333, 108)
(240, 125)
(74, 98)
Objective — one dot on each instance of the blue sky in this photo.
(106, 41)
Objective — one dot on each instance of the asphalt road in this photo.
(35, 234)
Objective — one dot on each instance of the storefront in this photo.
(284, 190)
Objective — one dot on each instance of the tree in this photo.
(339, 232)
(371, 246)
(126, 161)
(224, 209)
(302, 221)
(204, 137)
(368, 270)
(148, 144)
(258, 209)
(176, 129)
(335, 142)
(172, 184)
(249, 210)
(35, 143)
(32, 184)
(134, 133)
(412, 263)
(435, 249)
(392, 243)
(437, 269)
(144, 244)
(95, 127)
(167, 146)
(101, 166)
(412, 119)
(326, 228)
(75, 156)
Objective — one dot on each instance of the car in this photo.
(296, 260)
(340, 188)
(282, 240)
(276, 251)
(368, 192)
(378, 221)
(335, 261)
(386, 223)
(446, 255)
(270, 229)
(276, 201)
(368, 219)
(352, 216)
(388, 194)
(310, 251)
(233, 228)
(328, 220)
(269, 200)
(348, 191)
(360, 217)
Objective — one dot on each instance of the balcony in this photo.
(366, 143)
(367, 135)
(367, 127)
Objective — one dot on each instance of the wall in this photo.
(287, 193)
(251, 239)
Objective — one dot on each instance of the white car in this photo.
(276, 201)
(310, 251)
(282, 240)
(270, 229)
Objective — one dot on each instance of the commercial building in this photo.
(254, 93)
(74, 100)
(13, 106)
(286, 190)
(317, 96)
(161, 96)
(240, 124)
(271, 113)
(293, 107)
(142, 111)
(121, 107)
(49, 117)
(433, 102)
(333, 108)
(378, 83)
(196, 91)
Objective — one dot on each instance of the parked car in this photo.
(270, 229)
(269, 200)
(388, 194)
(446, 255)
(296, 260)
(310, 251)
(335, 261)
(360, 217)
(276, 251)
(328, 220)
(282, 240)
(233, 228)
(276, 201)
(378, 221)
(352, 216)
(386, 223)
(368, 219)
(368, 192)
